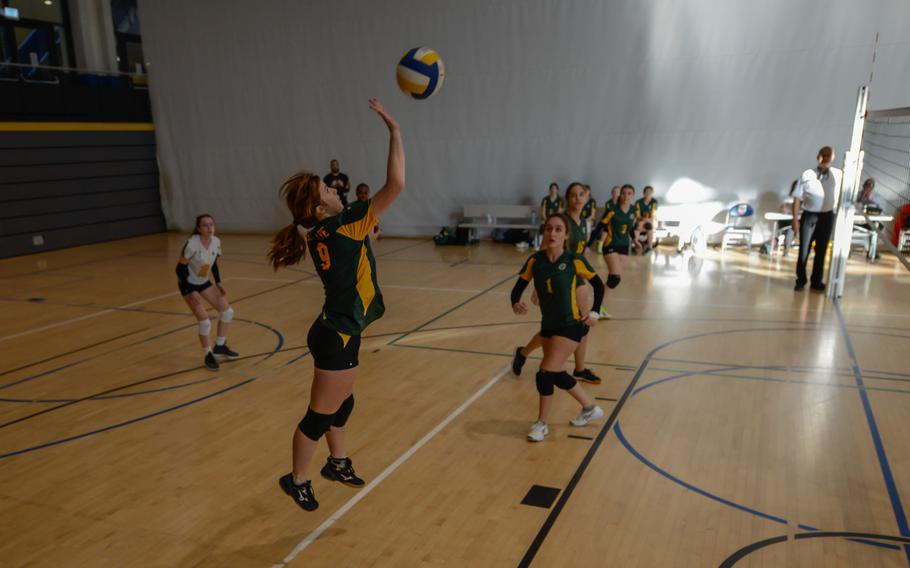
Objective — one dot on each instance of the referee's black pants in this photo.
(813, 226)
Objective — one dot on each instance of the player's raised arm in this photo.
(394, 181)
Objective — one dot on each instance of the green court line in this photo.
(452, 309)
(666, 370)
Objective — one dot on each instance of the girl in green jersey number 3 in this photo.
(338, 240)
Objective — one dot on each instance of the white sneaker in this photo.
(586, 416)
(539, 431)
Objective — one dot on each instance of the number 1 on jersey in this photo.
(323, 251)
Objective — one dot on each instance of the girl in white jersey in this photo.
(198, 259)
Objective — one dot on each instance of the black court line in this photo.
(874, 374)
(45, 360)
(576, 477)
(535, 545)
(577, 437)
(755, 546)
(120, 388)
(97, 307)
(604, 398)
(393, 251)
(97, 394)
(266, 291)
(493, 354)
(263, 264)
(452, 309)
(78, 264)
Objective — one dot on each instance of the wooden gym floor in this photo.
(747, 424)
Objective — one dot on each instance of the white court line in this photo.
(109, 310)
(403, 287)
(81, 318)
(387, 472)
(259, 279)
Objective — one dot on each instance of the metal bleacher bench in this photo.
(498, 217)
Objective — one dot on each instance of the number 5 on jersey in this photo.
(323, 251)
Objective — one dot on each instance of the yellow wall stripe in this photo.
(77, 127)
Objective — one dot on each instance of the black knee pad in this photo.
(564, 380)
(649, 227)
(344, 411)
(314, 424)
(544, 383)
(613, 281)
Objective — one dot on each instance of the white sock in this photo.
(220, 340)
(206, 351)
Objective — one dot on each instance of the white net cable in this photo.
(886, 144)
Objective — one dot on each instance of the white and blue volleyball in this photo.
(420, 73)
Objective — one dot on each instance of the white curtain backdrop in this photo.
(720, 100)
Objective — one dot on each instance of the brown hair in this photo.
(573, 184)
(825, 153)
(199, 219)
(301, 192)
(565, 221)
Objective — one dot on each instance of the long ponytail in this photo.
(301, 193)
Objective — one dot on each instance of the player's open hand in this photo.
(377, 107)
(520, 308)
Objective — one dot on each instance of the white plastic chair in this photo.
(738, 225)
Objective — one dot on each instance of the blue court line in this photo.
(893, 494)
(651, 355)
(631, 449)
(618, 431)
(719, 372)
(126, 423)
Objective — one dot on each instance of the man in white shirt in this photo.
(816, 193)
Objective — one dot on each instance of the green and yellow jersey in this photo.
(552, 207)
(645, 210)
(340, 247)
(588, 208)
(617, 225)
(578, 236)
(556, 283)
(608, 206)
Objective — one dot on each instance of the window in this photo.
(128, 33)
(40, 36)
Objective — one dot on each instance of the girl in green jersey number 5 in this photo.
(338, 240)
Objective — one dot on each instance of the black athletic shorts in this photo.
(618, 250)
(186, 288)
(575, 332)
(331, 350)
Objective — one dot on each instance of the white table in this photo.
(871, 234)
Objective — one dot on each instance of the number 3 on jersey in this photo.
(323, 251)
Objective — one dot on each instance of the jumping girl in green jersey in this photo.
(339, 243)
(556, 273)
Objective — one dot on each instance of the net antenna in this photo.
(844, 205)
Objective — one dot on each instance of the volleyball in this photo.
(420, 73)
